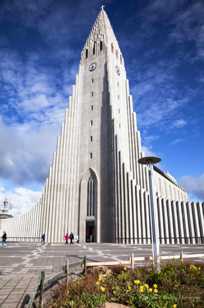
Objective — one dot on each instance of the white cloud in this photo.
(194, 185)
(176, 141)
(26, 151)
(189, 27)
(147, 151)
(179, 123)
(159, 112)
(20, 199)
(158, 101)
(33, 94)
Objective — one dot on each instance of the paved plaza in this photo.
(21, 263)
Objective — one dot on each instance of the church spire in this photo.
(101, 32)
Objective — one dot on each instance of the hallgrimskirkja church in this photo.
(95, 187)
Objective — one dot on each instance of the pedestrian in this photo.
(66, 237)
(71, 236)
(77, 238)
(43, 238)
(4, 238)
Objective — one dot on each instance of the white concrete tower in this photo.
(105, 127)
(102, 80)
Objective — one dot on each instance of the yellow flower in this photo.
(100, 277)
(155, 291)
(108, 272)
(102, 289)
(193, 267)
(174, 306)
(136, 282)
(129, 287)
(146, 286)
(155, 285)
(125, 268)
(150, 290)
(97, 282)
(141, 289)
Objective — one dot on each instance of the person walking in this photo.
(71, 236)
(4, 238)
(43, 238)
(66, 237)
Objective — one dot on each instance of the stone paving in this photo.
(21, 264)
(14, 288)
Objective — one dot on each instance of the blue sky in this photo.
(40, 43)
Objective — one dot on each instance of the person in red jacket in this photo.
(66, 238)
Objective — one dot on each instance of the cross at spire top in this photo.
(102, 7)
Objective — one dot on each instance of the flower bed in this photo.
(177, 285)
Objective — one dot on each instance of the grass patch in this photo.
(177, 285)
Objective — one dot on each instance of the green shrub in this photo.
(176, 285)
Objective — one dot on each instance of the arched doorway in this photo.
(91, 208)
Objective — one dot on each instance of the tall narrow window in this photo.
(91, 122)
(91, 195)
(101, 45)
(91, 138)
(91, 107)
(112, 48)
(92, 80)
(91, 155)
(87, 53)
(94, 48)
(92, 94)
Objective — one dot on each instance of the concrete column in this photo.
(190, 223)
(121, 199)
(181, 223)
(61, 192)
(125, 203)
(118, 205)
(141, 204)
(166, 225)
(170, 222)
(133, 211)
(185, 222)
(160, 220)
(68, 150)
(195, 221)
(201, 221)
(147, 197)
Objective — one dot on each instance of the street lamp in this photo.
(150, 161)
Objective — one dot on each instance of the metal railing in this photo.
(35, 239)
(69, 269)
(163, 240)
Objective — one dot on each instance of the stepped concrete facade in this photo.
(95, 187)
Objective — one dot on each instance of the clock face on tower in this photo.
(92, 67)
(117, 70)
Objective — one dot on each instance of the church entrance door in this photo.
(90, 231)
